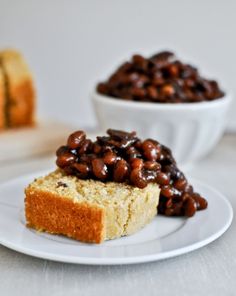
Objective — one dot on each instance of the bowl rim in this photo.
(226, 99)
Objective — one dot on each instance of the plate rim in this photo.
(123, 260)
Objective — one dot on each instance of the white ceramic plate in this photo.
(163, 238)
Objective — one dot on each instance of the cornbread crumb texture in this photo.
(88, 210)
(19, 89)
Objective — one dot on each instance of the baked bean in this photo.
(172, 171)
(200, 201)
(76, 139)
(121, 170)
(177, 208)
(65, 159)
(99, 169)
(132, 77)
(140, 62)
(190, 207)
(185, 196)
(189, 188)
(124, 67)
(158, 81)
(173, 70)
(169, 212)
(103, 88)
(69, 170)
(82, 169)
(169, 203)
(152, 166)
(162, 178)
(180, 184)
(85, 146)
(138, 92)
(169, 191)
(87, 158)
(152, 93)
(132, 152)
(61, 150)
(137, 178)
(150, 150)
(97, 148)
(162, 56)
(189, 83)
(138, 144)
(109, 158)
(167, 90)
(136, 163)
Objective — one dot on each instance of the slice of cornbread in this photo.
(88, 210)
(20, 93)
(2, 99)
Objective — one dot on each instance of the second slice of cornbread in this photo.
(19, 89)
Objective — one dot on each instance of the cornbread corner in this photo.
(20, 93)
(88, 210)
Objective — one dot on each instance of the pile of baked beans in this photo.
(123, 157)
(162, 78)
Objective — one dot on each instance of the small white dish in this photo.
(191, 130)
(163, 238)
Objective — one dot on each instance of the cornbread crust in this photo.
(21, 93)
(2, 99)
(88, 210)
(49, 212)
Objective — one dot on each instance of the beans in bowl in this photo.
(161, 78)
(123, 157)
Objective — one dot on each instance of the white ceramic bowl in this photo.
(191, 130)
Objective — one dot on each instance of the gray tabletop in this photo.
(208, 271)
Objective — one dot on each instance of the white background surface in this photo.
(70, 45)
(208, 271)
